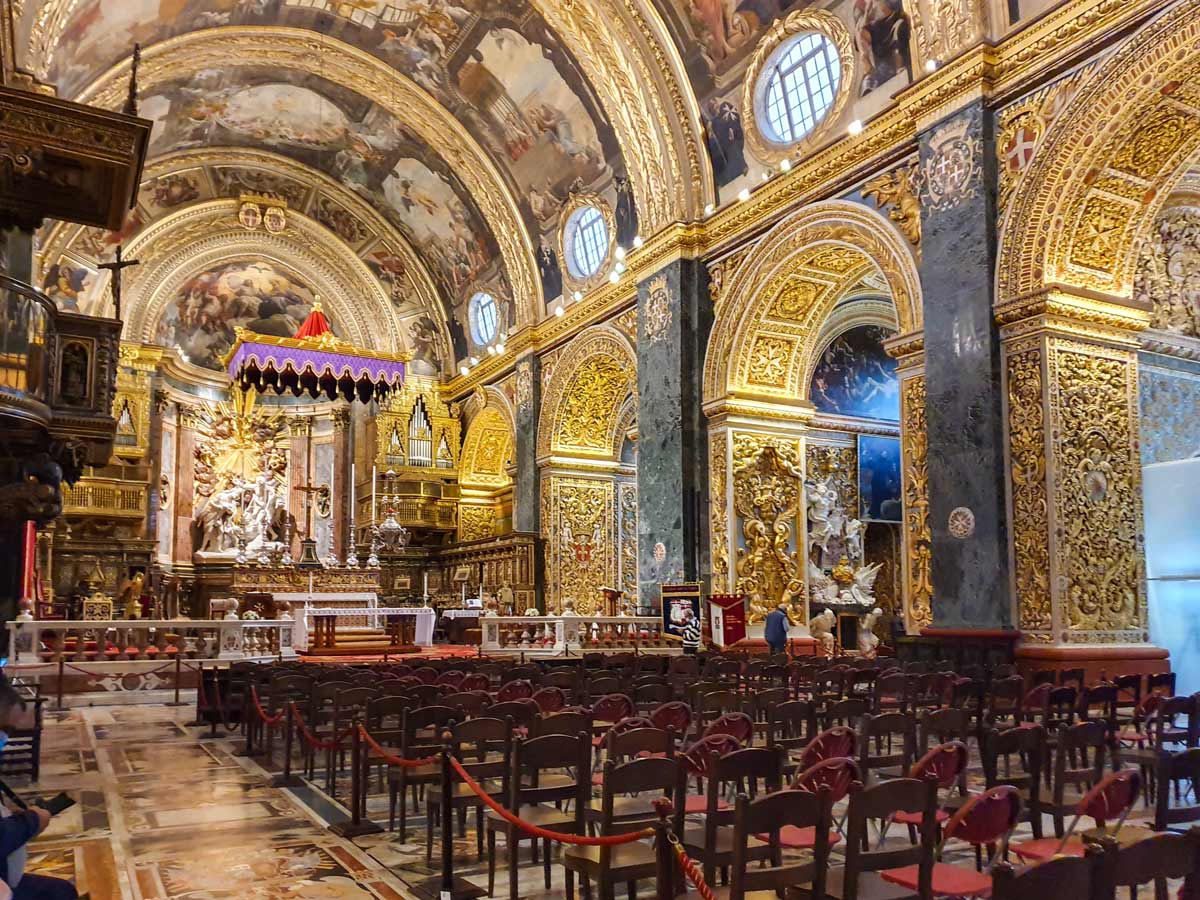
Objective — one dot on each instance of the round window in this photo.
(586, 241)
(484, 318)
(797, 87)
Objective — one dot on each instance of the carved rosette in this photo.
(917, 536)
(768, 485)
(1029, 509)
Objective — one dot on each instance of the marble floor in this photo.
(164, 811)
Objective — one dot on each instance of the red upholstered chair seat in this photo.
(948, 880)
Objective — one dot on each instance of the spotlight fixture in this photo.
(856, 127)
(614, 276)
(637, 240)
(619, 253)
(465, 371)
(931, 65)
(558, 310)
(577, 296)
(491, 350)
(500, 348)
(785, 165)
(708, 209)
(744, 194)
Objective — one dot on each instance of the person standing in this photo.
(691, 634)
(776, 629)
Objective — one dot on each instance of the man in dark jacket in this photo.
(776, 629)
(19, 826)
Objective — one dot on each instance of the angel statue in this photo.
(868, 641)
(862, 589)
(854, 539)
(822, 499)
(822, 587)
(821, 627)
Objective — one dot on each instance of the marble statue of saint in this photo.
(868, 641)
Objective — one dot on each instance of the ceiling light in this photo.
(464, 370)
(637, 240)
(619, 253)
(500, 348)
(931, 65)
(614, 276)
(708, 209)
(491, 350)
(744, 194)
(474, 360)
(558, 310)
(785, 165)
(577, 296)
(619, 267)
(856, 127)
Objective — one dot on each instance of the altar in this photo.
(364, 618)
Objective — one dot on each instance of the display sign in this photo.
(677, 599)
(727, 615)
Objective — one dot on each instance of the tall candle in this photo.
(374, 492)
(425, 591)
(352, 491)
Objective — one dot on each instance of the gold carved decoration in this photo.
(767, 492)
(486, 451)
(770, 361)
(918, 537)
(804, 21)
(944, 28)
(1106, 166)
(1098, 493)
(579, 520)
(718, 509)
(1168, 272)
(524, 385)
(629, 539)
(581, 404)
(238, 439)
(476, 523)
(1029, 522)
(897, 190)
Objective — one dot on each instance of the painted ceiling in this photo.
(542, 99)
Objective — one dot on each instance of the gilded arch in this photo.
(581, 408)
(1090, 196)
(486, 451)
(782, 292)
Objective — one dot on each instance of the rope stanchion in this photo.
(312, 740)
(690, 869)
(178, 674)
(287, 779)
(537, 831)
(392, 758)
(269, 721)
(358, 824)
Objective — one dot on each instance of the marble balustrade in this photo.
(559, 635)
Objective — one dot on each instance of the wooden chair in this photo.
(284, 688)
(550, 699)
(1015, 757)
(1157, 859)
(937, 726)
(514, 689)
(859, 878)
(609, 865)
(648, 696)
(472, 703)
(1099, 704)
(483, 747)
(349, 707)
(1079, 757)
(1112, 798)
(569, 722)
(791, 725)
(845, 712)
(753, 769)
(1172, 769)
(737, 724)
(522, 712)
(420, 737)
(894, 692)
(1068, 876)
(898, 731)
(601, 685)
(946, 764)
(674, 716)
(765, 817)
(1004, 699)
(985, 820)
(716, 704)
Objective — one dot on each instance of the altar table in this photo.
(369, 617)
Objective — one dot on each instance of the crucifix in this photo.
(115, 267)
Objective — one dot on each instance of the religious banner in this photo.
(727, 618)
(677, 600)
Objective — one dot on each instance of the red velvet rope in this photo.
(269, 721)
(388, 757)
(691, 870)
(312, 740)
(560, 837)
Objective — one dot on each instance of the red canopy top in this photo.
(315, 325)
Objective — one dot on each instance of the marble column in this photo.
(343, 454)
(963, 396)
(526, 489)
(185, 482)
(300, 474)
(674, 318)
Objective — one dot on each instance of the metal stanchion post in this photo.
(178, 674)
(358, 824)
(448, 886)
(287, 779)
(663, 877)
(62, 662)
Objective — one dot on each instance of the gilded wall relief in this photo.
(840, 463)
(585, 418)
(628, 494)
(476, 523)
(951, 171)
(580, 520)
(768, 484)
(657, 310)
(718, 509)
(1029, 522)
(918, 537)
(486, 451)
(1098, 496)
(1168, 272)
(898, 190)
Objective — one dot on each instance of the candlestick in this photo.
(374, 493)
(425, 588)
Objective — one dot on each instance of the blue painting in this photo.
(855, 376)
(879, 479)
